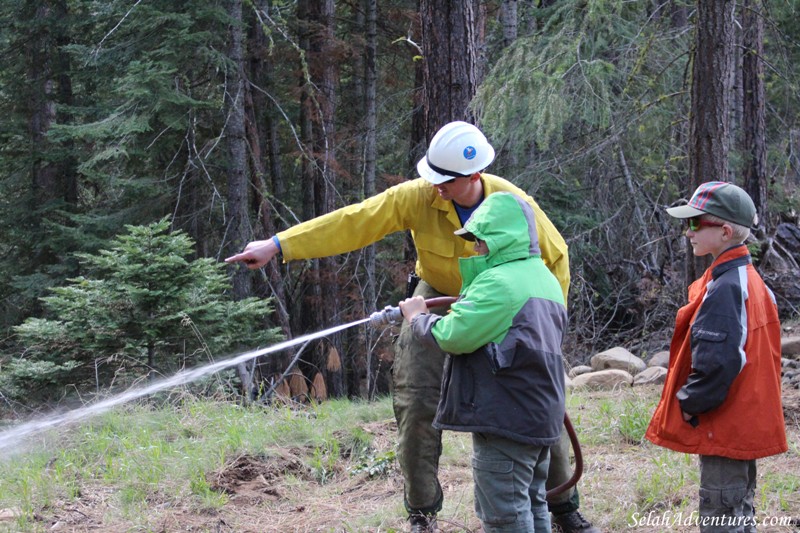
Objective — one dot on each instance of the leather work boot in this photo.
(421, 523)
(573, 523)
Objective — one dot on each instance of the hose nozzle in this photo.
(386, 316)
(392, 314)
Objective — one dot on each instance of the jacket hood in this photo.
(507, 224)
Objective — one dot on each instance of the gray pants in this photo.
(416, 384)
(727, 489)
(509, 484)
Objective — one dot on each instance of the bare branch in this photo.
(107, 35)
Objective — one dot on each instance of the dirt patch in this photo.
(251, 480)
(384, 432)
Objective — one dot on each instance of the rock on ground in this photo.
(618, 358)
(603, 379)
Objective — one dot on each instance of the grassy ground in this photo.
(209, 466)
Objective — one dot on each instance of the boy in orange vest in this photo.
(722, 396)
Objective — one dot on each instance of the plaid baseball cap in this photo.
(721, 199)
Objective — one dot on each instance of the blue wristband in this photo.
(277, 242)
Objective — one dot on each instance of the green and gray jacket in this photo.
(504, 374)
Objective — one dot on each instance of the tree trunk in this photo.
(450, 46)
(262, 138)
(735, 120)
(264, 142)
(52, 168)
(318, 103)
(356, 360)
(679, 14)
(190, 201)
(448, 76)
(711, 101)
(754, 148)
(370, 169)
(67, 167)
(151, 362)
(237, 232)
(53, 179)
(309, 318)
(326, 74)
(310, 314)
(42, 105)
(508, 19)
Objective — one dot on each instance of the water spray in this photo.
(11, 438)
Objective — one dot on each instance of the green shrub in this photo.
(142, 308)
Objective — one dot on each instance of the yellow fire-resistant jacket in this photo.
(415, 206)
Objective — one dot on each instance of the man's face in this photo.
(459, 190)
(480, 247)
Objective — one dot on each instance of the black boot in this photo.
(573, 522)
(421, 523)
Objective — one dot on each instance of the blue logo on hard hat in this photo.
(470, 152)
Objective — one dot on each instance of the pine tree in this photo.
(143, 308)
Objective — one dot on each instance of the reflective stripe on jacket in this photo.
(725, 367)
(416, 206)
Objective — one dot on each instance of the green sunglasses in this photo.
(696, 223)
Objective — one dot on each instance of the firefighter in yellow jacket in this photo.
(432, 208)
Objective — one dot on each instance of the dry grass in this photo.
(281, 491)
(624, 482)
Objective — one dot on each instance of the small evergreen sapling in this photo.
(142, 308)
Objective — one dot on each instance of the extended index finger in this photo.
(238, 257)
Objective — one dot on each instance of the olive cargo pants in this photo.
(416, 382)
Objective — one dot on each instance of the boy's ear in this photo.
(727, 231)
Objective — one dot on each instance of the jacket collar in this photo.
(446, 206)
(733, 257)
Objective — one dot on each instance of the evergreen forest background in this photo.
(143, 141)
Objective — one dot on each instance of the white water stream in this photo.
(13, 437)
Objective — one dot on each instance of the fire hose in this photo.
(393, 315)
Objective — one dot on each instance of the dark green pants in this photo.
(560, 471)
(416, 381)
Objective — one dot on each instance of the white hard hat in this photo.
(458, 149)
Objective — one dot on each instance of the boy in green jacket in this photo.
(504, 375)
